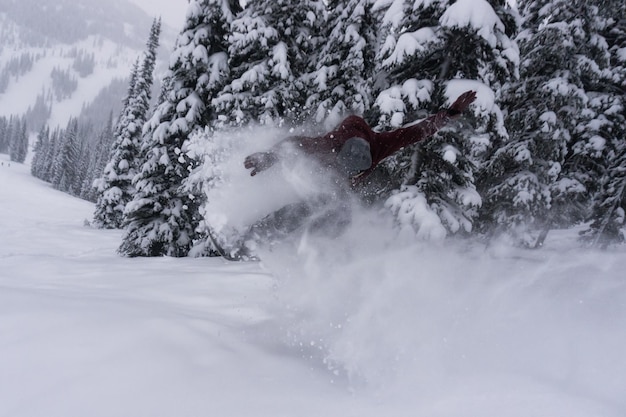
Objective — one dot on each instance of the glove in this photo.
(260, 161)
(462, 103)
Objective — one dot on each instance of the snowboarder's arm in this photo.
(402, 137)
(322, 147)
(260, 161)
(461, 104)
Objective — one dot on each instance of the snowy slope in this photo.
(22, 94)
(113, 32)
(418, 331)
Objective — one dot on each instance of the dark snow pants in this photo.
(324, 215)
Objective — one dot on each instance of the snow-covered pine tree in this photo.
(544, 108)
(143, 88)
(41, 148)
(584, 164)
(19, 140)
(609, 210)
(85, 150)
(115, 188)
(53, 150)
(342, 81)
(162, 218)
(440, 49)
(23, 142)
(66, 159)
(8, 133)
(270, 48)
(549, 171)
(4, 143)
(98, 159)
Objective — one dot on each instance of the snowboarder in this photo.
(354, 148)
(350, 152)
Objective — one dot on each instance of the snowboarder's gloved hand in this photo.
(462, 103)
(260, 161)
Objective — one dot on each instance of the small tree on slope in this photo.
(66, 159)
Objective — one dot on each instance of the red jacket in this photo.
(382, 144)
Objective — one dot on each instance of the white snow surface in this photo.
(485, 97)
(22, 94)
(478, 14)
(365, 325)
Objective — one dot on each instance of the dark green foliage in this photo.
(608, 211)
(549, 171)
(84, 64)
(115, 188)
(341, 83)
(424, 60)
(63, 83)
(162, 218)
(14, 137)
(543, 147)
(267, 67)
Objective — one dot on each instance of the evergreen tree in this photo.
(546, 174)
(13, 134)
(140, 101)
(97, 162)
(4, 142)
(584, 164)
(38, 114)
(66, 160)
(162, 217)
(543, 114)
(19, 140)
(608, 213)
(342, 83)
(84, 155)
(41, 149)
(115, 189)
(271, 46)
(439, 49)
(53, 149)
(9, 133)
(24, 143)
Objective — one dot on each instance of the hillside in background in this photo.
(58, 60)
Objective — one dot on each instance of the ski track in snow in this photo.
(348, 328)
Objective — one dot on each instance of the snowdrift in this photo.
(362, 325)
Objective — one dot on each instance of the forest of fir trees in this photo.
(14, 138)
(70, 159)
(542, 148)
(75, 159)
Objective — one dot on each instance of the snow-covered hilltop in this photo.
(57, 60)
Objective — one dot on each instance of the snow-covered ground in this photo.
(368, 330)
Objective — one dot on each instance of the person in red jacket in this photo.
(350, 152)
(354, 146)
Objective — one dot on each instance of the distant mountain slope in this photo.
(70, 21)
(57, 57)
